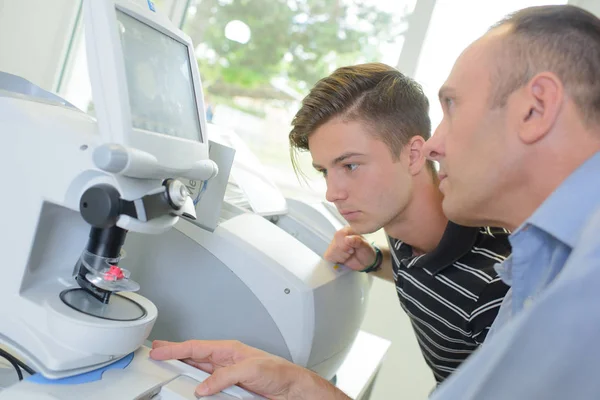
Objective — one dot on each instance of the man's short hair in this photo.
(564, 40)
(392, 105)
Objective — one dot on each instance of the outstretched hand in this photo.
(233, 363)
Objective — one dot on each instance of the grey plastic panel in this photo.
(209, 205)
(310, 237)
(197, 296)
(308, 225)
(348, 291)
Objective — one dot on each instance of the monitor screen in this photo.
(159, 80)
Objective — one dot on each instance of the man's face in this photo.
(368, 187)
(471, 143)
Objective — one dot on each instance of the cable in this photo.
(20, 363)
(25, 367)
(201, 192)
(16, 363)
(11, 360)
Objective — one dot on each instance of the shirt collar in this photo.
(564, 213)
(504, 269)
(455, 243)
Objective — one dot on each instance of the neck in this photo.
(540, 178)
(422, 223)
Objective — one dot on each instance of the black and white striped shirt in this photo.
(452, 294)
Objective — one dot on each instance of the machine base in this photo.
(142, 379)
(86, 377)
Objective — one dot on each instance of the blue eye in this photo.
(351, 167)
(449, 102)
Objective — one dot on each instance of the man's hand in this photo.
(350, 249)
(233, 363)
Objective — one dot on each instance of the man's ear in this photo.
(416, 154)
(542, 103)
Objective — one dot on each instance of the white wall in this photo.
(592, 6)
(34, 36)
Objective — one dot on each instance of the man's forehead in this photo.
(340, 132)
(476, 62)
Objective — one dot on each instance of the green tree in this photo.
(299, 40)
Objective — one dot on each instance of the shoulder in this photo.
(585, 255)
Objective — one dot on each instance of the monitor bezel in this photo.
(110, 92)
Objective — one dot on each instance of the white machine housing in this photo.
(58, 153)
(257, 279)
(50, 147)
(143, 379)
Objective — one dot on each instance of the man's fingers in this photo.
(340, 250)
(216, 352)
(160, 343)
(206, 367)
(223, 378)
(173, 351)
(364, 253)
(355, 242)
(336, 254)
(345, 231)
(195, 350)
(342, 233)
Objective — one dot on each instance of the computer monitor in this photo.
(159, 80)
(146, 87)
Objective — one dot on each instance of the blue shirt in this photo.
(545, 343)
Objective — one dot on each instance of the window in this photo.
(259, 58)
(454, 25)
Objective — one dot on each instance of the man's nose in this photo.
(433, 148)
(335, 191)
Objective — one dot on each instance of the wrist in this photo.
(376, 265)
(310, 386)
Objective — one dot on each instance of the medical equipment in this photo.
(69, 308)
(258, 278)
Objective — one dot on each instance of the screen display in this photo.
(159, 80)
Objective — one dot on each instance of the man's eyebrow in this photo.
(339, 159)
(345, 156)
(446, 91)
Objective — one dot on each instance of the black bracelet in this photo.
(376, 266)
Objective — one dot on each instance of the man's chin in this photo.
(461, 215)
(362, 229)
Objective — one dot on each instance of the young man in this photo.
(519, 146)
(365, 127)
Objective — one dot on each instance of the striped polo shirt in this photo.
(451, 294)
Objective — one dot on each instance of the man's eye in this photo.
(351, 167)
(449, 102)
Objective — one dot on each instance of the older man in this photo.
(519, 147)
